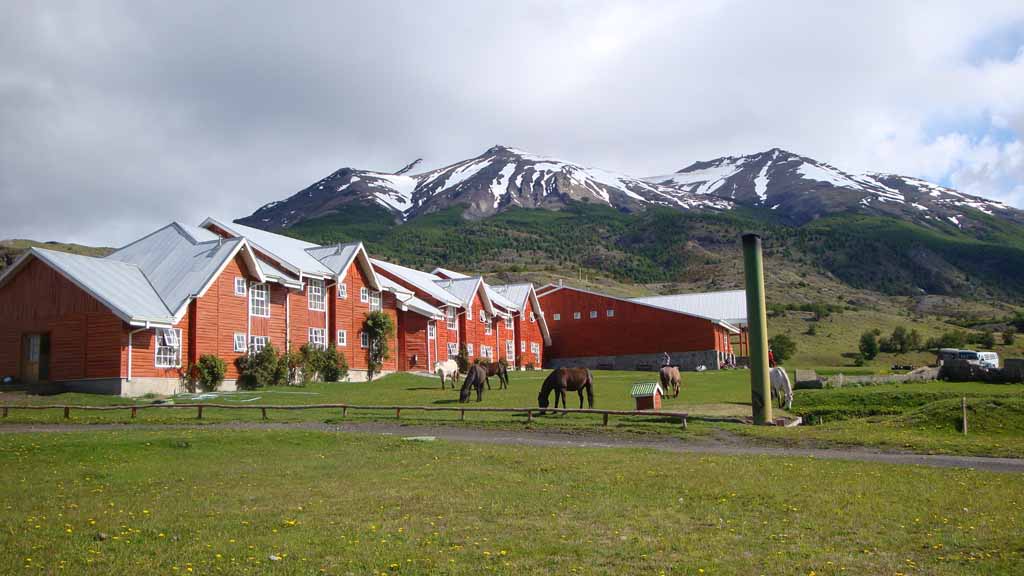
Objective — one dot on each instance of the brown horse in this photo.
(476, 376)
(562, 379)
(499, 369)
(670, 380)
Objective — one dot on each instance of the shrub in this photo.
(462, 359)
(1009, 335)
(987, 339)
(868, 345)
(210, 372)
(782, 346)
(858, 359)
(812, 329)
(380, 328)
(263, 368)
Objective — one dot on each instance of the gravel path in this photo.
(719, 443)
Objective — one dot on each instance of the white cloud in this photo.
(115, 117)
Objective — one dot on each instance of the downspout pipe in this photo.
(760, 384)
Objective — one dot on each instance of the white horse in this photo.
(447, 369)
(781, 387)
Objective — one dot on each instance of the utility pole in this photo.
(760, 384)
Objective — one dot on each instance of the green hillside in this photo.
(11, 249)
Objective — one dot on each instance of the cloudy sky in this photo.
(118, 117)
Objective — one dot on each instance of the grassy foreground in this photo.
(295, 502)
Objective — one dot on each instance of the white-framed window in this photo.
(451, 320)
(453, 349)
(487, 352)
(534, 348)
(168, 348)
(593, 314)
(556, 316)
(239, 341)
(364, 340)
(342, 291)
(487, 329)
(575, 315)
(483, 317)
(364, 294)
(375, 301)
(522, 346)
(342, 337)
(257, 343)
(318, 338)
(315, 294)
(431, 331)
(510, 349)
(259, 300)
(533, 317)
(239, 286)
(508, 322)
(469, 350)
(609, 313)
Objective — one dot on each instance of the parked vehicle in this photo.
(988, 359)
(970, 355)
(947, 354)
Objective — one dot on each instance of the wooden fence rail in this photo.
(263, 408)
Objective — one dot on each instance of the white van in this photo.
(988, 359)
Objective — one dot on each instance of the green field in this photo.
(923, 417)
(297, 502)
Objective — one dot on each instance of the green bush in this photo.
(316, 364)
(782, 346)
(868, 345)
(263, 368)
(209, 372)
(462, 359)
(1009, 335)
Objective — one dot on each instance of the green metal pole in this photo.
(760, 385)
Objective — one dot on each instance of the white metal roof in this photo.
(439, 271)
(730, 305)
(120, 286)
(178, 267)
(423, 281)
(339, 257)
(392, 286)
(465, 289)
(514, 293)
(289, 252)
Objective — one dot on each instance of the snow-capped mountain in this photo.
(795, 189)
(800, 189)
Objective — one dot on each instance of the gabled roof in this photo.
(446, 273)
(121, 287)
(179, 267)
(276, 274)
(288, 253)
(408, 301)
(729, 305)
(552, 288)
(465, 289)
(339, 257)
(514, 293)
(423, 281)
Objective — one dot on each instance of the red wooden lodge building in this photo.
(130, 323)
(599, 331)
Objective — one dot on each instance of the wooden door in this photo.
(35, 358)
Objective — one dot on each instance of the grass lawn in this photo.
(298, 502)
(880, 416)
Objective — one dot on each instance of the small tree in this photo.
(209, 372)
(462, 359)
(782, 346)
(379, 328)
(868, 345)
(1009, 335)
(812, 329)
(259, 369)
(987, 339)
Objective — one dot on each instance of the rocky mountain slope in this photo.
(783, 186)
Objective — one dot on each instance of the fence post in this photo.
(264, 411)
(5, 411)
(963, 406)
(344, 411)
(683, 419)
(529, 415)
(133, 411)
(462, 414)
(199, 414)
(398, 413)
(605, 419)
(67, 412)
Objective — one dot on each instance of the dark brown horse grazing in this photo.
(670, 380)
(499, 369)
(562, 379)
(476, 376)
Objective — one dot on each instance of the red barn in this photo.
(604, 332)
